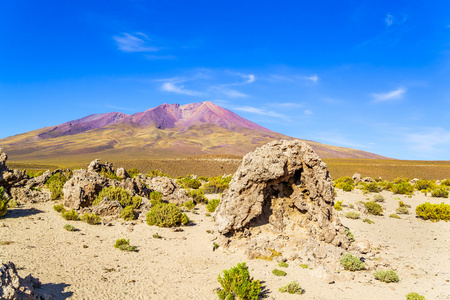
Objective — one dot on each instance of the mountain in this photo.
(166, 131)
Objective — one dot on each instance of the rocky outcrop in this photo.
(107, 208)
(82, 188)
(285, 189)
(96, 166)
(12, 287)
(168, 188)
(122, 173)
(357, 177)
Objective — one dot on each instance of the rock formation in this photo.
(284, 190)
(12, 287)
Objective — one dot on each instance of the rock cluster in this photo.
(284, 187)
(12, 287)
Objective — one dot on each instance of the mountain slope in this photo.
(166, 131)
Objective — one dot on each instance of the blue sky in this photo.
(370, 75)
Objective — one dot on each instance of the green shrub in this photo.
(55, 184)
(189, 204)
(216, 185)
(277, 272)
(337, 205)
(352, 263)
(124, 245)
(440, 192)
(133, 172)
(135, 202)
(402, 210)
(109, 175)
(374, 208)
(156, 173)
(198, 196)
(371, 187)
(347, 187)
(424, 185)
(237, 283)
(366, 220)
(128, 213)
(70, 215)
(166, 215)
(59, 208)
(378, 198)
(155, 197)
(91, 218)
(385, 185)
(387, 276)
(445, 182)
(434, 212)
(394, 216)
(3, 203)
(283, 264)
(304, 266)
(12, 203)
(212, 205)
(292, 288)
(275, 253)
(69, 227)
(415, 296)
(352, 215)
(349, 234)
(113, 193)
(403, 188)
(189, 183)
(401, 180)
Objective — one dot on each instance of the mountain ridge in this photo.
(168, 130)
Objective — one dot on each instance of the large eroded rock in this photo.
(12, 287)
(282, 187)
(168, 188)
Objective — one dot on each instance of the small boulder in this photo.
(107, 208)
(122, 173)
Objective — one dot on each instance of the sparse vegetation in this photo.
(415, 296)
(155, 198)
(124, 245)
(133, 172)
(275, 253)
(3, 203)
(189, 204)
(12, 203)
(114, 193)
(378, 198)
(368, 221)
(374, 208)
(216, 185)
(394, 216)
(403, 188)
(198, 196)
(371, 187)
(348, 234)
(70, 215)
(212, 205)
(283, 264)
(292, 288)
(345, 183)
(434, 212)
(189, 183)
(304, 266)
(402, 210)
(69, 227)
(109, 175)
(237, 283)
(277, 272)
(337, 205)
(128, 213)
(59, 208)
(387, 276)
(441, 192)
(91, 218)
(166, 215)
(424, 185)
(352, 263)
(352, 215)
(156, 173)
(55, 184)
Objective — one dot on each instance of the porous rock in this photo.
(357, 177)
(107, 208)
(122, 173)
(82, 188)
(285, 188)
(12, 287)
(168, 188)
(96, 166)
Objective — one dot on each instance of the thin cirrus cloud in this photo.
(389, 19)
(259, 111)
(314, 78)
(179, 89)
(137, 42)
(428, 141)
(392, 95)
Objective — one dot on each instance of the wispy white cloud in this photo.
(429, 142)
(287, 105)
(137, 42)
(160, 57)
(314, 78)
(392, 95)
(179, 89)
(389, 19)
(308, 112)
(233, 93)
(259, 111)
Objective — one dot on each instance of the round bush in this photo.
(128, 213)
(212, 205)
(374, 208)
(166, 215)
(387, 276)
(352, 263)
(114, 193)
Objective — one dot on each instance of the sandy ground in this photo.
(182, 265)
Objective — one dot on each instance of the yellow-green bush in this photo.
(352, 263)
(337, 205)
(70, 215)
(3, 203)
(166, 215)
(91, 219)
(55, 184)
(424, 185)
(403, 188)
(155, 197)
(371, 187)
(292, 288)
(128, 213)
(434, 212)
(113, 193)
(440, 192)
(374, 208)
(237, 284)
(387, 276)
(212, 205)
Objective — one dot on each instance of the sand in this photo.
(183, 265)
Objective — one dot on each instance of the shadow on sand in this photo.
(54, 289)
(22, 212)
